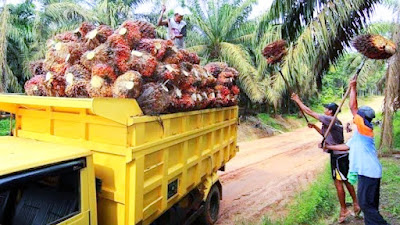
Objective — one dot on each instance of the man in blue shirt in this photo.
(364, 162)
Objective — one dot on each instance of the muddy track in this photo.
(266, 173)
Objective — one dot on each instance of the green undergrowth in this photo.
(390, 191)
(5, 127)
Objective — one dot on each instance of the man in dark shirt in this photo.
(339, 159)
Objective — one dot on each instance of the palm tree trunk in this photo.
(391, 92)
(3, 47)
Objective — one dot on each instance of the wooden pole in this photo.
(343, 100)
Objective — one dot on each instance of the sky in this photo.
(381, 13)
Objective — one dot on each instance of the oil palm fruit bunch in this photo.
(275, 51)
(374, 46)
(55, 84)
(143, 62)
(120, 52)
(130, 31)
(128, 85)
(77, 79)
(154, 99)
(146, 29)
(37, 67)
(103, 77)
(97, 36)
(215, 68)
(36, 86)
(156, 47)
(101, 54)
(84, 29)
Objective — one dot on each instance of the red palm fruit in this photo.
(211, 96)
(75, 87)
(275, 51)
(186, 79)
(154, 99)
(215, 68)
(55, 85)
(37, 67)
(156, 47)
(128, 85)
(225, 78)
(65, 37)
(183, 103)
(97, 36)
(374, 46)
(120, 52)
(235, 90)
(130, 31)
(101, 54)
(84, 29)
(187, 56)
(56, 68)
(147, 29)
(233, 71)
(99, 87)
(78, 72)
(167, 72)
(104, 71)
(143, 62)
(69, 52)
(36, 86)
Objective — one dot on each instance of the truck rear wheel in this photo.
(211, 207)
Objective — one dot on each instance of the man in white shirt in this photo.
(176, 27)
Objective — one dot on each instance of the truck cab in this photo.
(45, 183)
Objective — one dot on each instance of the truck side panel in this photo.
(145, 166)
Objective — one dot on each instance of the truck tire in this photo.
(211, 207)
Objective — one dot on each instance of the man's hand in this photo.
(163, 8)
(295, 97)
(322, 146)
(310, 125)
(353, 83)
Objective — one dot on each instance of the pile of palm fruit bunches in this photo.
(129, 62)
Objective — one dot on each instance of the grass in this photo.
(312, 205)
(390, 191)
(4, 127)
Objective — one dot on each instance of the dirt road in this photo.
(267, 172)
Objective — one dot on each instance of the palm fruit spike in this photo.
(104, 71)
(275, 51)
(65, 37)
(36, 86)
(97, 36)
(99, 87)
(120, 52)
(147, 29)
(235, 90)
(167, 72)
(128, 85)
(156, 47)
(78, 72)
(155, 99)
(98, 55)
(143, 62)
(374, 46)
(84, 29)
(215, 68)
(69, 52)
(36, 67)
(55, 85)
(130, 31)
(75, 87)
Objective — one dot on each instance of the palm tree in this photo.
(392, 90)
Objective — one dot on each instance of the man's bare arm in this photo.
(353, 97)
(341, 147)
(303, 107)
(160, 21)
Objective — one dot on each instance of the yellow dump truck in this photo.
(101, 161)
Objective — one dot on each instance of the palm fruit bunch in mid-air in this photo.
(130, 62)
(275, 51)
(374, 46)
